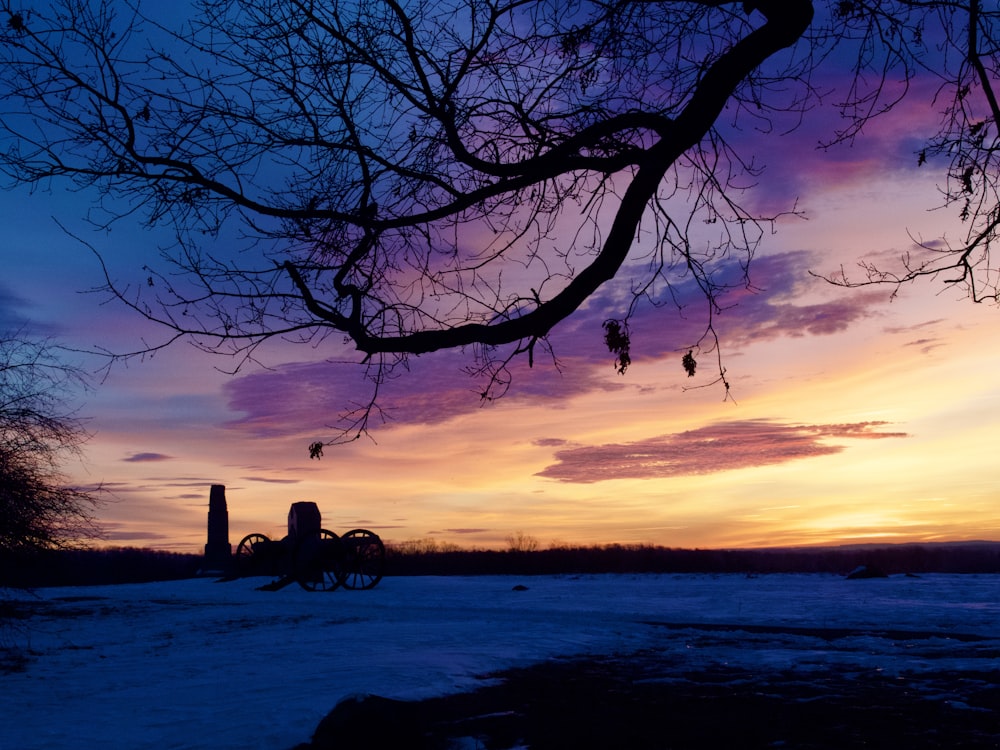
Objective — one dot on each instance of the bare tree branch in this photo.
(419, 175)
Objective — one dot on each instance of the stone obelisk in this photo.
(218, 550)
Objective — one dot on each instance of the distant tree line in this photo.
(411, 559)
(86, 567)
(75, 567)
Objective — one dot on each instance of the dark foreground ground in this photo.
(625, 702)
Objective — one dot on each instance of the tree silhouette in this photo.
(38, 431)
(417, 175)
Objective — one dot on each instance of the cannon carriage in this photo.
(315, 558)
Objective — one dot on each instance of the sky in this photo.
(854, 416)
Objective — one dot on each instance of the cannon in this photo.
(313, 557)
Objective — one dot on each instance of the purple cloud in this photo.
(721, 447)
(925, 331)
(888, 144)
(11, 305)
(434, 388)
(676, 318)
(132, 536)
(916, 326)
(303, 397)
(926, 346)
(147, 458)
(549, 443)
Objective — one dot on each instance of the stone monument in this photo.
(218, 551)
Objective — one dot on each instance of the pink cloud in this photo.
(721, 447)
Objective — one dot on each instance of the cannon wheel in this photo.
(364, 559)
(317, 561)
(250, 556)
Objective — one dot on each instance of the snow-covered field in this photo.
(199, 664)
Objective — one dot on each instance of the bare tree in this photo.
(956, 45)
(39, 430)
(519, 541)
(416, 175)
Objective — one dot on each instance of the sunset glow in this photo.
(853, 416)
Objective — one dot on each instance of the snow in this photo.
(200, 664)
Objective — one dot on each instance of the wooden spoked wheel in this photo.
(317, 561)
(364, 559)
(251, 556)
